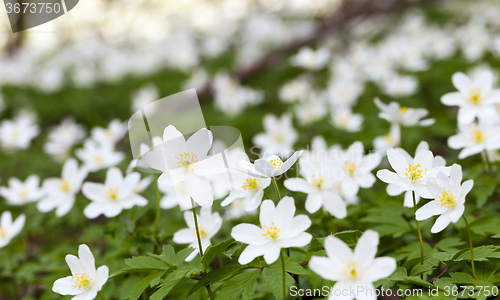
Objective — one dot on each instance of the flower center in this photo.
(475, 95)
(388, 138)
(82, 281)
(251, 184)
(203, 233)
(112, 194)
(98, 158)
(477, 136)
(110, 134)
(403, 109)
(350, 271)
(446, 199)
(23, 193)
(277, 162)
(278, 137)
(349, 168)
(271, 232)
(414, 173)
(3, 232)
(15, 133)
(186, 160)
(64, 186)
(317, 181)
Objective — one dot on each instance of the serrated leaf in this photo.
(181, 256)
(139, 288)
(460, 277)
(484, 187)
(214, 276)
(213, 251)
(144, 262)
(173, 279)
(274, 280)
(242, 285)
(291, 266)
(449, 244)
(420, 269)
(167, 255)
(350, 237)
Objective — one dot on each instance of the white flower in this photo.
(61, 192)
(279, 136)
(394, 113)
(353, 269)
(96, 156)
(144, 96)
(344, 92)
(208, 225)
(9, 229)
(187, 162)
(311, 60)
(343, 118)
(143, 149)
(20, 193)
(295, 91)
(62, 137)
(85, 281)
(111, 135)
(411, 173)
(318, 184)
(271, 166)
(354, 168)
(400, 86)
(198, 80)
(249, 188)
(394, 190)
(116, 194)
(237, 209)
(231, 97)
(474, 98)
(476, 137)
(174, 196)
(279, 229)
(18, 133)
(449, 198)
(311, 109)
(389, 140)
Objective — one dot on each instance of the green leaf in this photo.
(420, 269)
(291, 266)
(481, 253)
(214, 276)
(484, 187)
(214, 250)
(449, 244)
(139, 288)
(181, 256)
(462, 278)
(274, 280)
(350, 237)
(177, 277)
(445, 258)
(486, 269)
(144, 262)
(242, 285)
(167, 255)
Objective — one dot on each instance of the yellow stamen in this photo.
(3, 232)
(271, 232)
(475, 95)
(350, 271)
(82, 281)
(278, 137)
(277, 162)
(251, 184)
(186, 161)
(349, 168)
(112, 194)
(403, 109)
(317, 181)
(414, 173)
(98, 158)
(477, 136)
(64, 185)
(388, 138)
(23, 193)
(446, 199)
(201, 229)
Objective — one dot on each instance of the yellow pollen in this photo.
(23, 193)
(64, 185)
(3, 232)
(15, 133)
(82, 281)
(475, 95)
(317, 181)
(278, 137)
(202, 231)
(112, 193)
(277, 162)
(403, 109)
(251, 184)
(388, 137)
(477, 136)
(186, 161)
(350, 271)
(271, 232)
(414, 173)
(349, 168)
(98, 158)
(110, 134)
(446, 199)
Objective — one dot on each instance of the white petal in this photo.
(314, 202)
(337, 250)
(381, 267)
(441, 223)
(334, 204)
(325, 268)
(251, 252)
(248, 234)
(366, 248)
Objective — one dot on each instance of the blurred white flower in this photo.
(310, 59)
(116, 194)
(20, 193)
(18, 133)
(96, 156)
(279, 136)
(237, 209)
(353, 270)
(474, 138)
(345, 119)
(279, 229)
(449, 198)
(62, 137)
(296, 90)
(400, 86)
(389, 140)
(9, 229)
(474, 98)
(144, 96)
(231, 97)
(143, 149)
(198, 80)
(60, 193)
(311, 109)
(208, 225)
(394, 113)
(114, 133)
(344, 92)
(85, 281)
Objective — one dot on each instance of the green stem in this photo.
(198, 236)
(157, 216)
(102, 296)
(487, 162)
(276, 188)
(284, 274)
(471, 247)
(418, 229)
